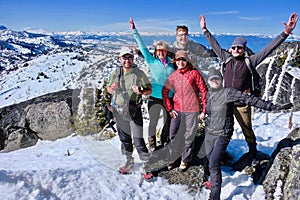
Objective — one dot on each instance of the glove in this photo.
(285, 106)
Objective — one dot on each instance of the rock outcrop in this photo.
(48, 117)
(281, 178)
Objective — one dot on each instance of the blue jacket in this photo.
(159, 72)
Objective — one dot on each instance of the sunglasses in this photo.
(237, 47)
(182, 59)
(127, 57)
(161, 50)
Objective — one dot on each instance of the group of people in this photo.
(178, 89)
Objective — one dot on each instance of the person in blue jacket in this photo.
(160, 67)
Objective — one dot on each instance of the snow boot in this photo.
(146, 172)
(127, 168)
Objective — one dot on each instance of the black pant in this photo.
(215, 147)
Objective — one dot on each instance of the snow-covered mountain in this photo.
(47, 172)
(20, 46)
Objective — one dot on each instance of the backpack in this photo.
(134, 99)
(255, 77)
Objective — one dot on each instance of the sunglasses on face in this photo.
(161, 50)
(180, 59)
(127, 57)
(237, 47)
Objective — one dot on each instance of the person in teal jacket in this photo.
(161, 67)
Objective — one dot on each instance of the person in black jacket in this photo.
(238, 74)
(219, 123)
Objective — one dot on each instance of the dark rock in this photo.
(282, 172)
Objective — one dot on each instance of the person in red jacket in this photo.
(187, 84)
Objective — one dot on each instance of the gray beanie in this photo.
(214, 73)
(239, 41)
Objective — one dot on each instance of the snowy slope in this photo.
(45, 171)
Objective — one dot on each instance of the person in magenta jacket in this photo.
(160, 67)
(187, 85)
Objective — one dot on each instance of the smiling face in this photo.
(182, 37)
(215, 83)
(181, 63)
(161, 52)
(237, 51)
(126, 60)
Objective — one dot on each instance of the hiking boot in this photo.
(207, 184)
(127, 167)
(183, 166)
(148, 176)
(146, 171)
(171, 166)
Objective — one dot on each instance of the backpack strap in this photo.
(121, 82)
(256, 79)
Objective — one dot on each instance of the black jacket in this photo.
(220, 107)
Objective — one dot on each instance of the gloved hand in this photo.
(285, 106)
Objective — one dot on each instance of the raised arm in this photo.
(203, 23)
(132, 26)
(144, 50)
(290, 26)
(223, 55)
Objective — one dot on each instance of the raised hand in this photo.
(132, 26)
(203, 23)
(289, 27)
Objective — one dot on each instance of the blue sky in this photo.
(222, 16)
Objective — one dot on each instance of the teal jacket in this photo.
(159, 72)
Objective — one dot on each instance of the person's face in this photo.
(182, 37)
(181, 63)
(237, 51)
(215, 83)
(161, 53)
(126, 60)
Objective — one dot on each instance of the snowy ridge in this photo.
(45, 171)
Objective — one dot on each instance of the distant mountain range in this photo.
(17, 47)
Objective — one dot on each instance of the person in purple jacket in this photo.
(238, 74)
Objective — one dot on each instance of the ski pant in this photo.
(215, 147)
(243, 116)
(182, 135)
(132, 128)
(155, 106)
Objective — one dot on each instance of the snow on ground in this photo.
(45, 171)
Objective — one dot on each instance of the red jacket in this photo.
(186, 84)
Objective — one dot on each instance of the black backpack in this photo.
(256, 79)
